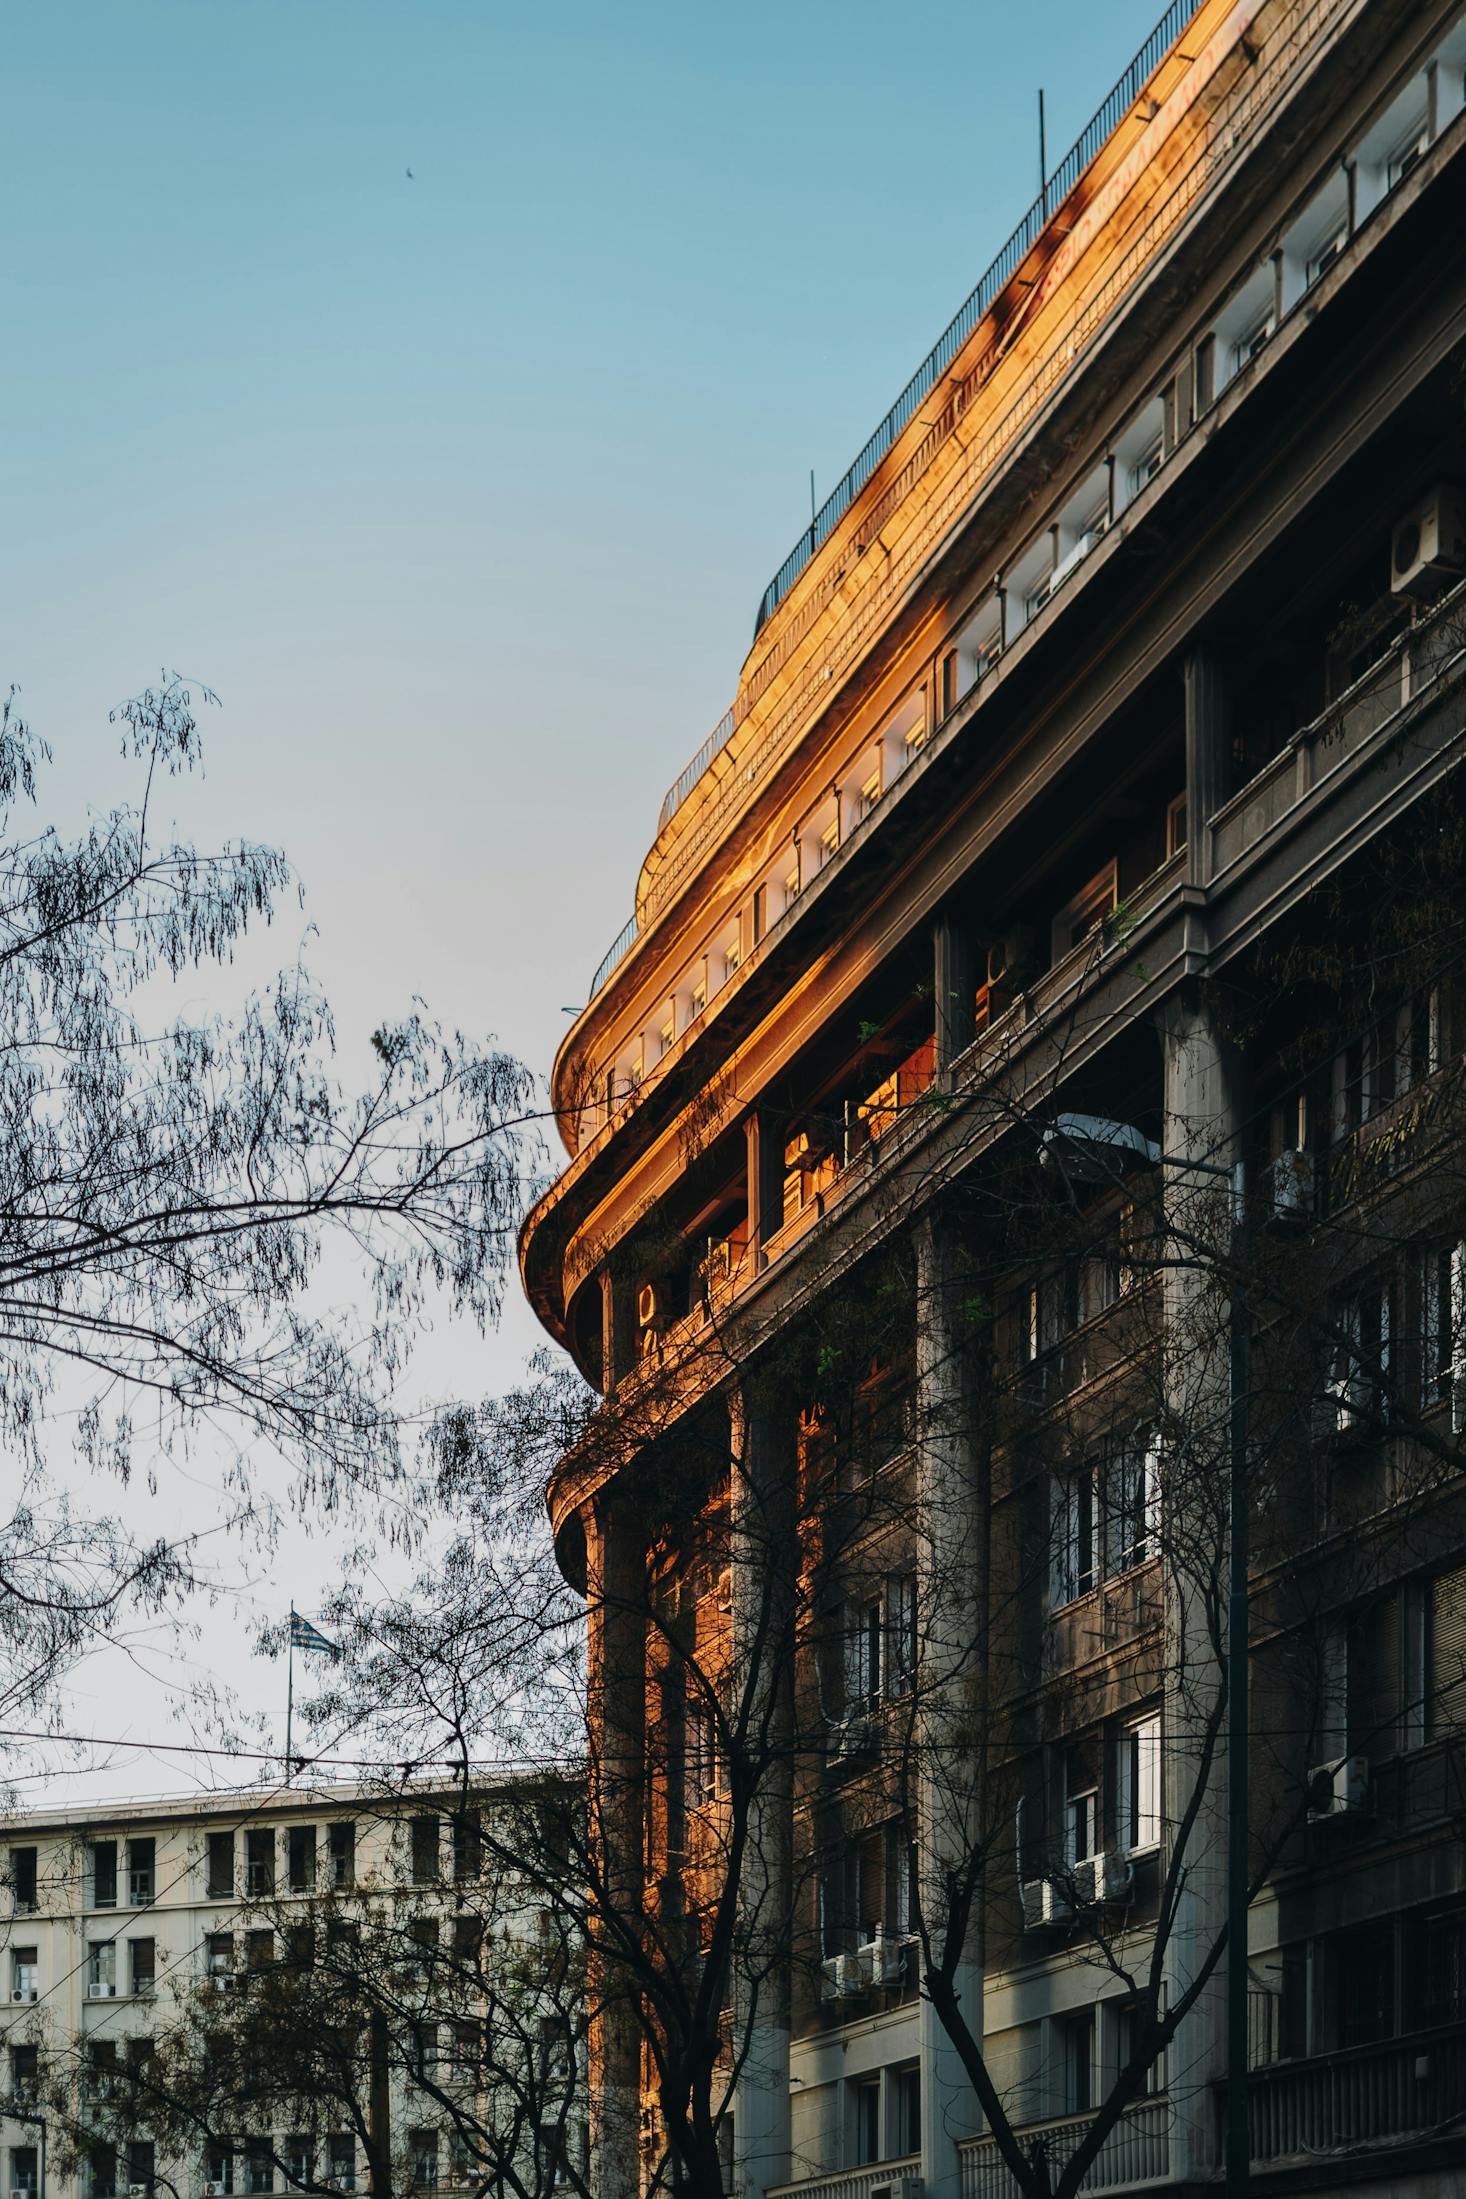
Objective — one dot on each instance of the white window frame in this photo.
(1138, 1786)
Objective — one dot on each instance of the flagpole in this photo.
(290, 1701)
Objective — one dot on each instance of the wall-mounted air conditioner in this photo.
(842, 1978)
(1339, 1788)
(1428, 546)
(880, 1960)
(897, 2187)
(1103, 1879)
(852, 1737)
(1290, 1187)
(99, 1989)
(1046, 1902)
(24, 1993)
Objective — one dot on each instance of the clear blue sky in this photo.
(462, 490)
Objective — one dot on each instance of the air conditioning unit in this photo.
(213, 2191)
(1046, 1902)
(1428, 546)
(842, 1978)
(1103, 1879)
(1290, 1187)
(897, 2187)
(880, 1960)
(1339, 1788)
(137, 2191)
(100, 1990)
(221, 1980)
(24, 1992)
(723, 1591)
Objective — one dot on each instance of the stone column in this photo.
(952, 1588)
(954, 981)
(1202, 1115)
(1208, 754)
(616, 1592)
(764, 1520)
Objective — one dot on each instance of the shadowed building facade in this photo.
(1016, 914)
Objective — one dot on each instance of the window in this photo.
(865, 2103)
(760, 912)
(1084, 916)
(259, 1949)
(341, 2155)
(142, 1961)
(1407, 152)
(870, 793)
(1076, 2053)
(906, 2109)
(863, 1645)
(1443, 1331)
(259, 2171)
(699, 1000)
(425, 1846)
(468, 1846)
(1251, 341)
(23, 2169)
(901, 1888)
(24, 1973)
(297, 2156)
(141, 2169)
(1323, 258)
(23, 1880)
(901, 1634)
(666, 1035)
(300, 1858)
(830, 841)
(259, 1862)
(221, 1865)
(1138, 1786)
(1446, 1678)
(219, 1955)
(104, 1874)
(1175, 825)
(732, 956)
(101, 1969)
(1075, 1540)
(1081, 1817)
(341, 1842)
(1132, 1484)
(218, 2171)
(102, 2177)
(140, 1872)
(1131, 2044)
(704, 1758)
(1147, 465)
(25, 2069)
(791, 886)
(425, 2160)
(1357, 1389)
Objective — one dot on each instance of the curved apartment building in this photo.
(957, 1043)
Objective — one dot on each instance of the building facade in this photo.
(1014, 1155)
(274, 1991)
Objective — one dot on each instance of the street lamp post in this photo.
(1091, 1149)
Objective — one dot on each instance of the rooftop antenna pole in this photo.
(1043, 160)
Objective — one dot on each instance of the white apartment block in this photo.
(116, 1920)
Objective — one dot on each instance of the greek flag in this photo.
(305, 1636)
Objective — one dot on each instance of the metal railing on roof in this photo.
(1111, 111)
(1120, 98)
(1056, 189)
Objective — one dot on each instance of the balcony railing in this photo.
(1137, 2151)
(1429, 652)
(1360, 2096)
(852, 2183)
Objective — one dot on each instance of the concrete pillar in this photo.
(1208, 753)
(765, 1555)
(954, 980)
(952, 1586)
(765, 1180)
(1202, 1119)
(617, 1626)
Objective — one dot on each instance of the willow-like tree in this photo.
(172, 1187)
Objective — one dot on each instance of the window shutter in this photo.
(1447, 1652)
